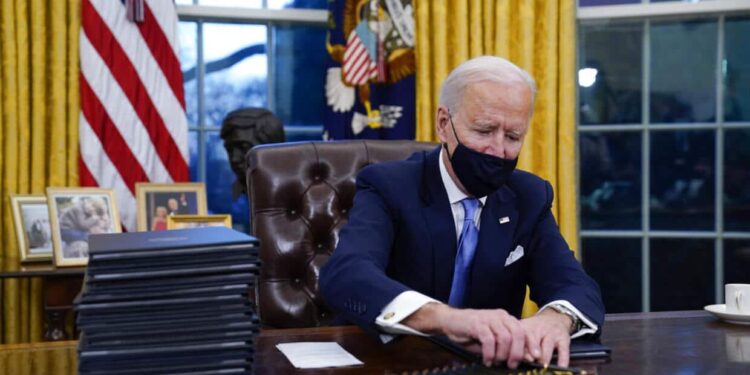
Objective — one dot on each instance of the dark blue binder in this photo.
(170, 239)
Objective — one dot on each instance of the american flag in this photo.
(359, 62)
(133, 126)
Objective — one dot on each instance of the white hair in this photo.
(481, 69)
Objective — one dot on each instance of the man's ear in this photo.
(442, 124)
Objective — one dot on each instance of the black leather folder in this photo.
(579, 349)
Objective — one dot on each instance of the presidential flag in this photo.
(370, 90)
(133, 125)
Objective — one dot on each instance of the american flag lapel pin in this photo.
(504, 220)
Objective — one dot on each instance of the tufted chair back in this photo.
(300, 194)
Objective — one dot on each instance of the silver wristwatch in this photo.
(576, 326)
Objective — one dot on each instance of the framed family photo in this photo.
(76, 213)
(199, 221)
(157, 202)
(33, 234)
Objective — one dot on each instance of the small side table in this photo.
(60, 287)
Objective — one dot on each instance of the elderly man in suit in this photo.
(446, 241)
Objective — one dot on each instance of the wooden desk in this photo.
(60, 287)
(682, 342)
(406, 354)
(654, 343)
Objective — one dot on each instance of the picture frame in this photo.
(74, 214)
(199, 221)
(155, 202)
(33, 233)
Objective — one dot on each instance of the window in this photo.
(257, 53)
(664, 151)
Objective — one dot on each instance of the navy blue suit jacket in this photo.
(401, 236)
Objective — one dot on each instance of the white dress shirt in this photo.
(406, 303)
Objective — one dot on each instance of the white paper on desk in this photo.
(317, 354)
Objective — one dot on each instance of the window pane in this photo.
(609, 77)
(308, 4)
(193, 151)
(683, 72)
(682, 179)
(736, 261)
(298, 75)
(219, 181)
(737, 180)
(610, 180)
(188, 39)
(585, 3)
(682, 274)
(615, 264)
(736, 70)
(236, 69)
(233, 3)
(303, 133)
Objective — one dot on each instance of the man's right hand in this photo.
(495, 334)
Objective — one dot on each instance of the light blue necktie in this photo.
(467, 245)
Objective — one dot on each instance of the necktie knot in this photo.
(470, 208)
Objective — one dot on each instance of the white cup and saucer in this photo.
(737, 307)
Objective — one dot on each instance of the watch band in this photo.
(576, 326)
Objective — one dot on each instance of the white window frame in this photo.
(255, 16)
(647, 12)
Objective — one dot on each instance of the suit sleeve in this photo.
(353, 282)
(555, 272)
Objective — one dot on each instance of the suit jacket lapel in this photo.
(495, 241)
(440, 227)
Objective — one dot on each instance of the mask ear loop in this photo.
(445, 145)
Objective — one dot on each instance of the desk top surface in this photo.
(651, 343)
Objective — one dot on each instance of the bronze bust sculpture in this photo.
(241, 130)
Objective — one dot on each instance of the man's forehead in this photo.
(512, 97)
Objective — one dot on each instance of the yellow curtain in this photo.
(38, 132)
(59, 358)
(538, 36)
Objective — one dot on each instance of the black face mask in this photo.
(481, 174)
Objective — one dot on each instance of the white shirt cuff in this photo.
(588, 326)
(398, 309)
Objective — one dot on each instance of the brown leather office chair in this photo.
(299, 196)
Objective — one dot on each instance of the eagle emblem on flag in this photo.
(371, 44)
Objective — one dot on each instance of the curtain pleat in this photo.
(566, 212)
(38, 132)
(538, 36)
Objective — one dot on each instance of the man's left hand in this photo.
(546, 332)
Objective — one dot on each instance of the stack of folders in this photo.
(171, 302)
